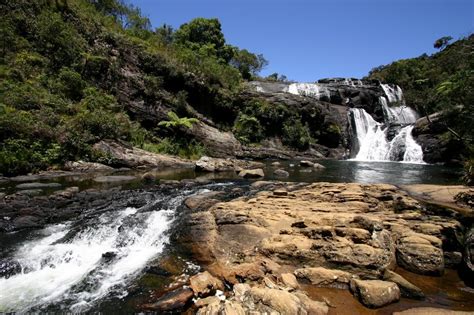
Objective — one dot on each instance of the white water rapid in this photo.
(309, 89)
(372, 136)
(76, 264)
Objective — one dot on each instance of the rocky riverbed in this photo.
(272, 249)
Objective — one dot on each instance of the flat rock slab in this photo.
(114, 179)
(38, 185)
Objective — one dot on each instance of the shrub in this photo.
(296, 135)
(248, 129)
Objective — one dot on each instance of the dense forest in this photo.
(74, 72)
(62, 68)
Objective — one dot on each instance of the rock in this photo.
(173, 301)
(149, 177)
(290, 281)
(417, 254)
(324, 277)
(232, 308)
(252, 173)
(306, 163)
(318, 166)
(281, 173)
(407, 289)
(312, 307)
(133, 157)
(431, 311)
(217, 143)
(241, 290)
(31, 192)
(207, 301)
(375, 293)
(114, 179)
(38, 185)
(467, 267)
(81, 166)
(209, 164)
(278, 300)
(204, 284)
(202, 201)
(280, 192)
(452, 259)
(276, 164)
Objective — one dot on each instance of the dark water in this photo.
(369, 172)
(335, 171)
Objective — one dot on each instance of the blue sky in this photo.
(310, 39)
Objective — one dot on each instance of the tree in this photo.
(202, 32)
(442, 42)
(166, 33)
(247, 63)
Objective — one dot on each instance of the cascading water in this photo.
(372, 136)
(309, 89)
(76, 264)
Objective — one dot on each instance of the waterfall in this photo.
(309, 89)
(372, 136)
(394, 94)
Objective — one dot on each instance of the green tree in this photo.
(247, 63)
(207, 33)
(442, 42)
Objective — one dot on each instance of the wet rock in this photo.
(375, 293)
(128, 156)
(467, 269)
(156, 270)
(9, 268)
(281, 173)
(306, 163)
(318, 166)
(257, 173)
(452, 259)
(31, 192)
(38, 185)
(81, 166)
(109, 256)
(276, 164)
(290, 281)
(324, 277)
(202, 201)
(173, 301)
(431, 311)
(27, 221)
(209, 164)
(417, 254)
(204, 284)
(114, 179)
(407, 289)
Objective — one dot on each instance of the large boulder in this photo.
(375, 293)
(407, 289)
(320, 276)
(128, 156)
(204, 284)
(217, 143)
(421, 254)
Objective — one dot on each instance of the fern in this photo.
(176, 121)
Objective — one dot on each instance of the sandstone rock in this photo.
(81, 166)
(276, 164)
(375, 293)
(207, 301)
(290, 281)
(202, 201)
(209, 164)
(418, 255)
(281, 173)
(204, 284)
(280, 301)
(173, 301)
(312, 307)
(133, 157)
(280, 192)
(407, 289)
(320, 276)
(252, 173)
(431, 311)
(217, 143)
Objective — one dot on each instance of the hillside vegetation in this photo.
(70, 70)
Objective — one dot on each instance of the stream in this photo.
(98, 261)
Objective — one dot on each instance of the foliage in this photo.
(191, 149)
(248, 63)
(442, 42)
(248, 129)
(176, 122)
(296, 134)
